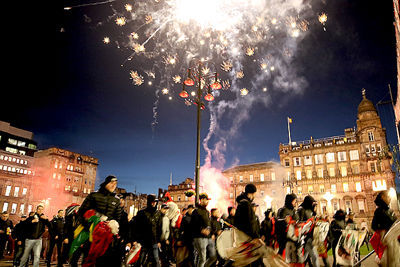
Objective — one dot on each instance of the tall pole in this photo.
(395, 121)
(197, 167)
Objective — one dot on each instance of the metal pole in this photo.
(395, 121)
(197, 168)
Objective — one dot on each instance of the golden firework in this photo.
(226, 66)
(120, 21)
(240, 74)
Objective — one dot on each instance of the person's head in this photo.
(250, 190)
(60, 213)
(268, 213)
(109, 184)
(190, 209)
(4, 215)
(204, 199)
(340, 215)
(31, 213)
(215, 212)
(23, 218)
(39, 209)
(152, 201)
(350, 215)
(382, 198)
(231, 211)
(164, 208)
(290, 200)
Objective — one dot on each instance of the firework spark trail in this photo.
(90, 4)
(155, 112)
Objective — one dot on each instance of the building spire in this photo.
(363, 92)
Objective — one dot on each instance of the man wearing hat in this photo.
(202, 242)
(145, 229)
(245, 217)
(105, 202)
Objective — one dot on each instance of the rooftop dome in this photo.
(365, 105)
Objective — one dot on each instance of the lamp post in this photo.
(206, 82)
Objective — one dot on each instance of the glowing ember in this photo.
(165, 91)
(106, 40)
(244, 91)
(323, 18)
(128, 7)
(177, 79)
(121, 21)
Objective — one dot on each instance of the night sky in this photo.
(69, 89)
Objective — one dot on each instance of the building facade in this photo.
(342, 172)
(177, 193)
(62, 177)
(16, 170)
(266, 176)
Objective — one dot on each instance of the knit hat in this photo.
(250, 188)
(204, 195)
(108, 179)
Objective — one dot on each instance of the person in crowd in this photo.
(284, 215)
(145, 229)
(245, 218)
(105, 203)
(350, 218)
(34, 228)
(364, 226)
(123, 228)
(202, 242)
(337, 226)
(255, 206)
(268, 228)
(216, 230)
(56, 237)
(6, 227)
(308, 210)
(71, 222)
(185, 240)
(384, 217)
(18, 234)
(231, 216)
(165, 237)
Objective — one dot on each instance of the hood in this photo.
(380, 202)
(241, 197)
(308, 202)
(288, 200)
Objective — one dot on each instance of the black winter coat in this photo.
(146, 227)
(35, 230)
(57, 228)
(245, 218)
(383, 216)
(4, 225)
(185, 231)
(103, 202)
(216, 226)
(200, 220)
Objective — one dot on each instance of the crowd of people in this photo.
(84, 234)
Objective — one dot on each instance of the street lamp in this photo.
(206, 82)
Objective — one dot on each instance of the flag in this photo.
(290, 120)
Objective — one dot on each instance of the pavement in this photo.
(369, 262)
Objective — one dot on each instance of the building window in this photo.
(330, 157)
(332, 172)
(16, 191)
(299, 190)
(335, 206)
(8, 190)
(297, 161)
(32, 146)
(356, 169)
(307, 160)
(378, 148)
(21, 143)
(333, 188)
(371, 136)
(309, 174)
(251, 178)
(319, 159)
(12, 141)
(262, 177)
(372, 165)
(179, 198)
(358, 186)
(343, 171)
(24, 191)
(12, 150)
(379, 185)
(310, 189)
(321, 188)
(345, 187)
(287, 163)
(13, 208)
(373, 148)
(367, 149)
(298, 175)
(342, 156)
(5, 206)
(22, 208)
(348, 206)
(240, 179)
(288, 190)
(361, 206)
(320, 172)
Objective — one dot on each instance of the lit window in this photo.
(319, 159)
(321, 188)
(24, 191)
(13, 208)
(251, 177)
(332, 172)
(299, 190)
(5, 206)
(320, 173)
(310, 189)
(21, 143)
(343, 171)
(342, 156)
(345, 187)
(361, 206)
(22, 208)
(54, 175)
(373, 148)
(22, 152)
(333, 188)
(358, 186)
(309, 174)
(298, 175)
(29, 208)
(378, 148)
(16, 191)
(367, 149)
(32, 146)
(12, 150)
(371, 136)
(354, 155)
(241, 179)
(67, 188)
(372, 165)
(297, 161)
(287, 163)
(262, 177)
(12, 141)
(307, 160)
(330, 157)
(288, 190)
(356, 169)
(8, 190)
(379, 185)
(273, 178)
